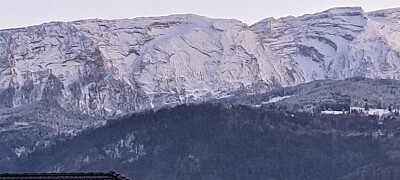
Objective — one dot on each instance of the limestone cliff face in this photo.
(61, 77)
(103, 68)
(338, 43)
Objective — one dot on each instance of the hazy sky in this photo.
(20, 13)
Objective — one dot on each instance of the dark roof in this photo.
(63, 176)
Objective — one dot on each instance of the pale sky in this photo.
(21, 13)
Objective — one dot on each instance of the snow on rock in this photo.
(62, 77)
(337, 43)
(109, 67)
(375, 53)
(104, 68)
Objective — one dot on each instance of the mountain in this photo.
(107, 67)
(59, 79)
(62, 77)
(338, 43)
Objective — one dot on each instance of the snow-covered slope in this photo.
(108, 67)
(375, 53)
(337, 43)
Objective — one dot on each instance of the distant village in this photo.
(380, 113)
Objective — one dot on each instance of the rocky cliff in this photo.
(103, 68)
(62, 77)
(337, 43)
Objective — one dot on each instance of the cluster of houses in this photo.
(380, 113)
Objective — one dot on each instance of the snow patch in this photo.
(276, 99)
(21, 124)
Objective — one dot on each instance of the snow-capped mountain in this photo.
(103, 68)
(337, 43)
(108, 67)
(60, 78)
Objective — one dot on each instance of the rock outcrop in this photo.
(338, 43)
(103, 68)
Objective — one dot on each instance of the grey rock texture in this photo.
(60, 78)
(338, 43)
(104, 68)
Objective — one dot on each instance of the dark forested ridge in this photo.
(228, 142)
